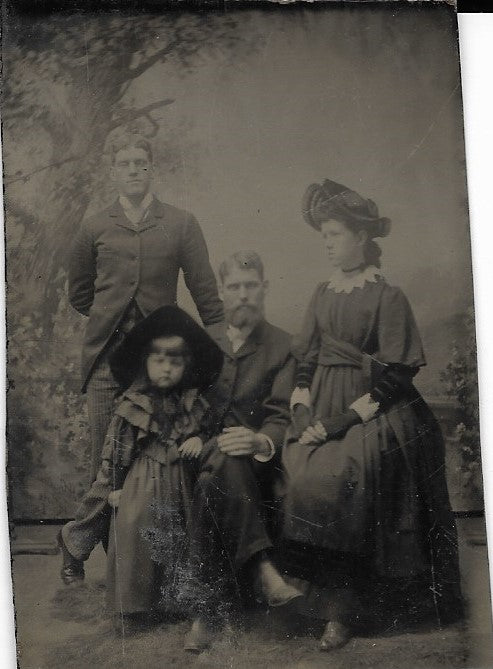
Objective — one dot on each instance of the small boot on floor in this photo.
(72, 570)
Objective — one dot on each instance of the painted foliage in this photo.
(245, 108)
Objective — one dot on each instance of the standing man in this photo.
(124, 264)
(228, 534)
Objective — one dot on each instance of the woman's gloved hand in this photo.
(314, 434)
(392, 385)
(327, 429)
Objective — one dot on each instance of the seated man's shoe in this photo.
(272, 587)
(72, 570)
(335, 636)
(200, 636)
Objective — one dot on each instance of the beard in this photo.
(246, 315)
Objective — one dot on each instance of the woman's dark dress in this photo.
(378, 496)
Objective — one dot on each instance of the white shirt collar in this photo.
(340, 282)
(238, 336)
(131, 211)
(145, 204)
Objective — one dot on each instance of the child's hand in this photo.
(103, 475)
(191, 448)
(114, 498)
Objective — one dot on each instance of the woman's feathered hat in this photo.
(168, 321)
(330, 200)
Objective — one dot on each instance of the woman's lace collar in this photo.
(340, 282)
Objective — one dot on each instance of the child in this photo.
(147, 471)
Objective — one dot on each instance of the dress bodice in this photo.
(376, 319)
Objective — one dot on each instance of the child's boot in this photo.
(72, 570)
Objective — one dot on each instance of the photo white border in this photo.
(476, 50)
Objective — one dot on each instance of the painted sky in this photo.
(364, 96)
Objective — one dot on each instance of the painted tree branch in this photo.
(127, 115)
(25, 177)
(149, 62)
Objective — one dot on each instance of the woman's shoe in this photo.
(72, 570)
(335, 636)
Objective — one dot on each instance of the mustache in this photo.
(249, 307)
(243, 314)
(245, 311)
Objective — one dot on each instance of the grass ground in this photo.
(59, 627)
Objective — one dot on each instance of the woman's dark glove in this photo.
(394, 384)
(337, 426)
(326, 429)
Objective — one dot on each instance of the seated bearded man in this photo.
(228, 535)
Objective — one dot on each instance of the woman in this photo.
(366, 498)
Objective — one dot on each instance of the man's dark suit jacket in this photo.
(256, 382)
(114, 262)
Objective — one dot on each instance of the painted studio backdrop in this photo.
(245, 109)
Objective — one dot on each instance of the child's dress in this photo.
(379, 493)
(148, 533)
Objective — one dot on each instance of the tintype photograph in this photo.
(242, 423)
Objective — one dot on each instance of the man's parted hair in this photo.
(241, 260)
(130, 141)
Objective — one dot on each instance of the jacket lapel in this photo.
(222, 340)
(248, 348)
(156, 214)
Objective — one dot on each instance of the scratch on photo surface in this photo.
(428, 131)
(87, 54)
(117, 562)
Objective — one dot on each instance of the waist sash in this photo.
(336, 352)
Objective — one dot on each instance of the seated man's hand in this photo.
(241, 440)
(191, 448)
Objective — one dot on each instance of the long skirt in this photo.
(147, 552)
(378, 497)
